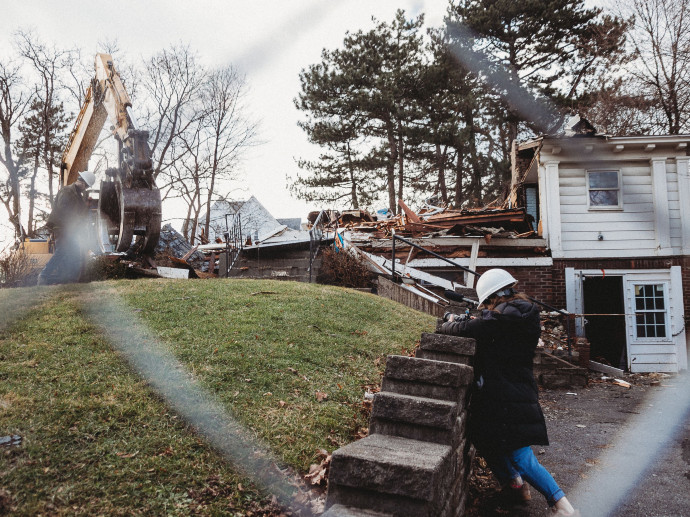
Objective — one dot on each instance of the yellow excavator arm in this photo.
(129, 206)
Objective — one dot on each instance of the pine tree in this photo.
(550, 48)
(365, 93)
(41, 144)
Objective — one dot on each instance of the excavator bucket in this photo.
(129, 218)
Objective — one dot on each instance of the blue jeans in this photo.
(523, 463)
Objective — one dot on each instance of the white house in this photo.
(615, 214)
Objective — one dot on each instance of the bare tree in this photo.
(14, 100)
(186, 178)
(229, 131)
(211, 146)
(170, 82)
(661, 42)
(47, 62)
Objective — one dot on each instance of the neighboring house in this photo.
(257, 222)
(615, 215)
(270, 248)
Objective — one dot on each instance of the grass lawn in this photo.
(289, 361)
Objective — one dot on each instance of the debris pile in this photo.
(554, 335)
(438, 221)
(172, 245)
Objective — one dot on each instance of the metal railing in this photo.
(315, 237)
(458, 297)
(234, 242)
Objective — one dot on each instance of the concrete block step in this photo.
(427, 378)
(378, 503)
(339, 510)
(443, 356)
(390, 465)
(418, 432)
(430, 372)
(440, 347)
(416, 418)
(414, 410)
(445, 343)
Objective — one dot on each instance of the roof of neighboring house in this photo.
(256, 221)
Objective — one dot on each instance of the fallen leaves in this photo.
(126, 455)
(304, 377)
(318, 473)
(321, 396)
(167, 452)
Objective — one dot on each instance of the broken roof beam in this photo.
(411, 216)
(455, 241)
(515, 215)
(406, 271)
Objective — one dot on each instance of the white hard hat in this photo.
(493, 280)
(88, 177)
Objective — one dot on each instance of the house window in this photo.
(650, 310)
(604, 189)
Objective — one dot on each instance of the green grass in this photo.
(98, 441)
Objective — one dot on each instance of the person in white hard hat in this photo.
(505, 415)
(67, 224)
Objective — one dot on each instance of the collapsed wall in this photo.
(416, 459)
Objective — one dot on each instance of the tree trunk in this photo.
(30, 229)
(401, 161)
(458, 178)
(390, 168)
(14, 197)
(353, 180)
(441, 168)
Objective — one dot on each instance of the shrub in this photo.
(15, 269)
(343, 269)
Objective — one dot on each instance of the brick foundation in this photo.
(547, 283)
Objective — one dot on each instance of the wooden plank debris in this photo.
(604, 368)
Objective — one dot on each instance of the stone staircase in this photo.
(416, 459)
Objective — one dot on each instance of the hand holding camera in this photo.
(450, 316)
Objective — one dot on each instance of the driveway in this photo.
(584, 429)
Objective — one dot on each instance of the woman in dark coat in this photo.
(505, 415)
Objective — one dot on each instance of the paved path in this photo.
(584, 426)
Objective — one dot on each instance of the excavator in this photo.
(129, 203)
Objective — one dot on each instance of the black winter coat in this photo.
(504, 413)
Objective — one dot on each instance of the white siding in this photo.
(626, 231)
(674, 207)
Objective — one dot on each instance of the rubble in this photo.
(483, 222)
(172, 244)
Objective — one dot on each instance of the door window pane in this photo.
(650, 311)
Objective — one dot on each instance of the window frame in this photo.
(668, 338)
(619, 189)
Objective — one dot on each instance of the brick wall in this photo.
(547, 283)
(539, 282)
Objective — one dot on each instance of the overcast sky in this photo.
(271, 42)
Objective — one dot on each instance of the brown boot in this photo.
(524, 493)
(517, 494)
